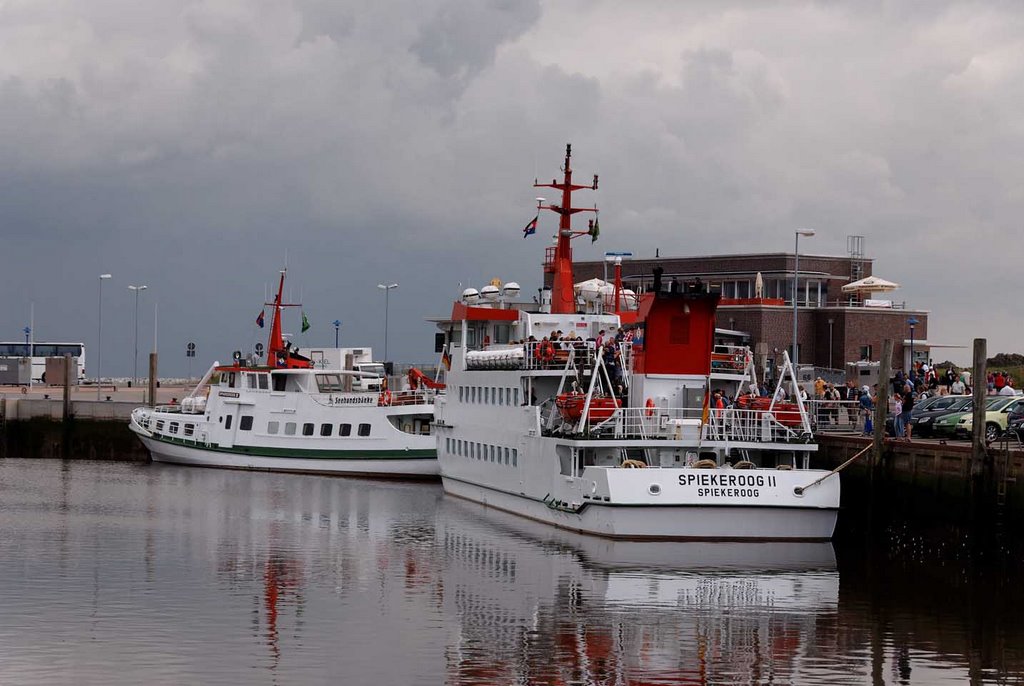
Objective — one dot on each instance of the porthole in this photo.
(654, 489)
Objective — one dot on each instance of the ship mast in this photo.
(275, 345)
(558, 261)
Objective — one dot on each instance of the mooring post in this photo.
(152, 380)
(882, 406)
(66, 414)
(979, 373)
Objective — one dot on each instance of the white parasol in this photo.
(870, 284)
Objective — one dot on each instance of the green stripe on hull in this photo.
(305, 453)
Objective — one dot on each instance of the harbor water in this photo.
(131, 573)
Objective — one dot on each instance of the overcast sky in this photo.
(190, 146)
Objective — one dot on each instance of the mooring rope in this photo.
(799, 490)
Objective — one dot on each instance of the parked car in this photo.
(945, 426)
(940, 406)
(996, 417)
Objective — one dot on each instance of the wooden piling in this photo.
(66, 414)
(978, 381)
(882, 406)
(152, 380)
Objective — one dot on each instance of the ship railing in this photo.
(689, 424)
(572, 355)
(409, 397)
(731, 359)
(839, 416)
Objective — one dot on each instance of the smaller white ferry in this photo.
(624, 423)
(290, 416)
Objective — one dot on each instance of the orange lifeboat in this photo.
(570, 406)
(786, 413)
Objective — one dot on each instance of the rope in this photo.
(799, 490)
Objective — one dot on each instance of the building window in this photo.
(344, 429)
(245, 423)
(289, 429)
(326, 429)
(307, 429)
(865, 353)
(273, 427)
(364, 429)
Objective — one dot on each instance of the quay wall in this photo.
(928, 479)
(97, 430)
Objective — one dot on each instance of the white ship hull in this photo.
(681, 521)
(386, 464)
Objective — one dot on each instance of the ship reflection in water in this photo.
(119, 573)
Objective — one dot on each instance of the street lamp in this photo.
(99, 336)
(135, 368)
(387, 292)
(337, 327)
(913, 322)
(796, 279)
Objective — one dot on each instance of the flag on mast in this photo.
(595, 230)
(305, 323)
(259, 320)
(531, 227)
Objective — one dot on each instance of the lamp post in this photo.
(913, 322)
(135, 367)
(337, 327)
(387, 292)
(796, 280)
(99, 336)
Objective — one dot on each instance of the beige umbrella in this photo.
(870, 284)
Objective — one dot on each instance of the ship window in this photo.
(325, 429)
(289, 429)
(278, 381)
(462, 395)
(515, 457)
(189, 429)
(245, 424)
(159, 425)
(472, 394)
(515, 396)
(364, 429)
(329, 383)
(447, 445)
(272, 427)
(251, 380)
(262, 381)
(344, 429)
(227, 421)
(506, 457)
(307, 429)
(502, 333)
(501, 396)
(173, 427)
(493, 451)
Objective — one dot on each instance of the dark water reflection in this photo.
(117, 573)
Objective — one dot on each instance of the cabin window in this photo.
(325, 429)
(279, 381)
(502, 333)
(344, 429)
(364, 429)
(272, 427)
(501, 396)
(329, 383)
(307, 429)
(447, 445)
(515, 396)
(227, 421)
(462, 397)
(506, 457)
(251, 381)
(189, 429)
(160, 425)
(515, 457)
(245, 423)
(262, 378)
(289, 429)
(231, 380)
(173, 428)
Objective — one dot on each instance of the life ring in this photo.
(385, 398)
(650, 407)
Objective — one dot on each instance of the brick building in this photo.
(834, 328)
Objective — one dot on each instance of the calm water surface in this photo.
(152, 574)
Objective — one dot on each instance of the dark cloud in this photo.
(192, 146)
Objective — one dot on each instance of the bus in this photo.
(39, 351)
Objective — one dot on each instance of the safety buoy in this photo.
(650, 407)
(385, 397)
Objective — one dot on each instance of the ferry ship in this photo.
(618, 434)
(288, 416)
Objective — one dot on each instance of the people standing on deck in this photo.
(907, 406)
